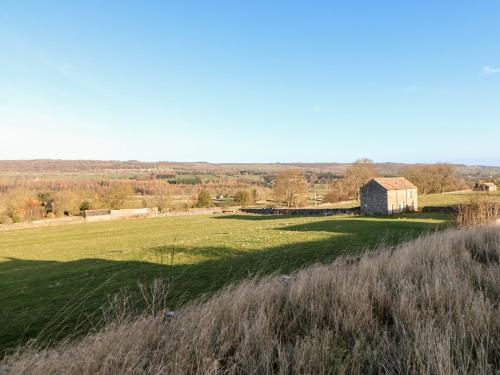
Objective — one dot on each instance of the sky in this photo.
(251, 81)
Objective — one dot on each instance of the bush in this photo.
(479, 211)
(117, 195)
(66, 202)
(334, 196)
(243, 198)
(204, 199)
(85, 205)
(4, 219)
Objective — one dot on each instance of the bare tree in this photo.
(162, 197)
(436, 178)
(290, 188)
(117, 195)
(357, 175)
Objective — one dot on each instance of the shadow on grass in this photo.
(254, 217)
(50, 300)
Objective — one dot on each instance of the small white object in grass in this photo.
(169, 314)
(285, 278)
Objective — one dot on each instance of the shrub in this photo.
(117, 195)
(66, 202)
(243, 198)
(85, 205)
(204, 199)
(480, 210)
(334, 196)
(4, 219)
(33, 209)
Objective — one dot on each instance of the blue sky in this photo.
(251, 81)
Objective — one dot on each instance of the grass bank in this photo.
(430, 306)
(54, 280)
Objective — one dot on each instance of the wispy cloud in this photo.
(316, 108)
(488, 71)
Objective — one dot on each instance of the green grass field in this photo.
(449, 199)
(54, 280)
(446, 199)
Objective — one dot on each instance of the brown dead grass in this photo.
(480, 210)
(430, 306)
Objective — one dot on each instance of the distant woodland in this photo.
(37, 189)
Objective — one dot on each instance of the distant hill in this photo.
(72, 166)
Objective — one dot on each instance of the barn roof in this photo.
(395, 183)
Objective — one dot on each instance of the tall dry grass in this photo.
(430, 306)
(479, 210)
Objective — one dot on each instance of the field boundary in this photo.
(105, 218)
(302, 211)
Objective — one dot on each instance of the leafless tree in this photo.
(290, 188)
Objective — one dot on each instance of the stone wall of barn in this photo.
(373, 199)
(402, 201)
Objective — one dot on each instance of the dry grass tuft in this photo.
(430, 306)
(479, 211)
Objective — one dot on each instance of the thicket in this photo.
(480, 210)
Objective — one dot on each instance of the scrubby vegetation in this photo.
(204, 199)
(480, 210)
(427, 306)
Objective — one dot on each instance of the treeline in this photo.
(74, 166)
(291, 187)
(429, 179)
(27, 200)
(436, 178)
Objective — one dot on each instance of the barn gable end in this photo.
(385, 196)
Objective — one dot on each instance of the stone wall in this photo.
(373, 199)
(440, 210)
(302, 211)
(402, 200)
(193, 211)
(377, 200)
(104, 215)
(135, 212)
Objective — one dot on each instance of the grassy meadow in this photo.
(454, 198)
(55, 280)
(428, 306)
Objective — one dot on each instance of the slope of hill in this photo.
(427, 306)
(71, 166)
(55, 280)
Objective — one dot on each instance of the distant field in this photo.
(54, 279)
(451, 198)
(445, 199)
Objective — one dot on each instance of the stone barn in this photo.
(386, 196)
(486, 186)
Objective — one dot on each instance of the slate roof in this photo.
(395, 183)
